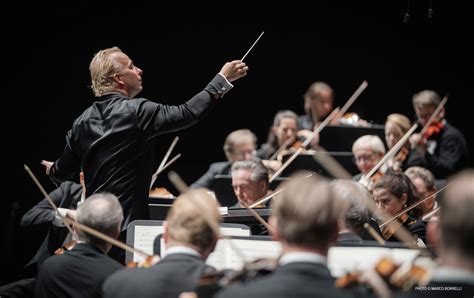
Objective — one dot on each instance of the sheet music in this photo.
(144, 238)
(251, 250)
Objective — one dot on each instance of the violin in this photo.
(212, 282)
(399, 159)
(394, 276)
(389, 230)
(434, 129)
(161, 192)
(148, 262)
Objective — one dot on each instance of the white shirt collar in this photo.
(454, 274)
(306, 257)
(183, 250)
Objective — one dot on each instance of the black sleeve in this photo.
(42, 214)
(156, 118)
(68, 165)
(450, 153)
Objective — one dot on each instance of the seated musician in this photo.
(283, 138)
(305, 219)
(239, 145)
(393, 192)
(356, 214)
(318, 104)
(282, 135)
(250, 182)
(42, 217)
(189, 241)
(80, 272)
(455, 275)
(396, 126)
(443, 147)
(424, 181)
(367, 150)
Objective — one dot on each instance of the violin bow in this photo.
(434, 115)
(67, 221)
(413, 206)
(352, 99)
(56, 211)
(391, 153)
(305, 143)
(163, 162)
(159, 171)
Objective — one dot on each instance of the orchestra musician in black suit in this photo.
(305, 219)
(189, 241)
(80, 272)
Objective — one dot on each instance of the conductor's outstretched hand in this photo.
(234, 70)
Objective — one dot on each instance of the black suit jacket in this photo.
(450, 154)
(79, 272)
(291, 280)
(41, 216)
(109, 142)
(216, 168)
(174, 274)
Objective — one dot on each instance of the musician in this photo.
(305, 219)
(110, 139)
(424, 181)
(239, 145)
(81, 271)
(249, 181)
(356, 214)
(189, 241)
(282, 133)
(40, 218)
(393, 192)
(396, 126)
(318, 104)
(455, 275)
(367, 150)
(443, 147)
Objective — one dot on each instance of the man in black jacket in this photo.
(43, 218)
(443, 149)
(110, 139)
(189, 241)
(305, 219)
(81, 271)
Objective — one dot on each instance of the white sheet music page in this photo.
(144, 238)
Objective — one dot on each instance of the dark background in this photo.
(46, 65)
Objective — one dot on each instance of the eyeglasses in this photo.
(366, 158)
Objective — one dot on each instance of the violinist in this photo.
(443, 148)
(367, 150)
(424, 181)
(41, 217)
(455, 275)
(396, 126)
(392, 193)
(318, 104)
(282, 135)
(189, 241)
(81, 271)
(305, 219)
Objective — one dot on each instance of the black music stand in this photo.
(341, 137)
(306, 161)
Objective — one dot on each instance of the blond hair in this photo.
(400, 121)
(307, 213)
(188, 219)
(102, 70)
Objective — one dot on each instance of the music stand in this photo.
(341, 137)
